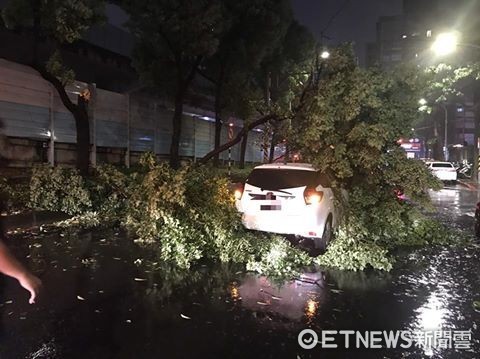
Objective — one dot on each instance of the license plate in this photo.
(270, 207)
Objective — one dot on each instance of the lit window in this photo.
(429, 33)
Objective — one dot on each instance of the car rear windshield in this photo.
(274, 179)
(442, 165)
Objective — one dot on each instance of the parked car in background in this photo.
(445, 171)
(291, 198)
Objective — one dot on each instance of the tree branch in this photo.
(72, 107)
(239, 136)
(205, 76)
(191, 74)
(168, 42)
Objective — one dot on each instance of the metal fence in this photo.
(30, 108)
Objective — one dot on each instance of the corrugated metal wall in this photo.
(31, 108)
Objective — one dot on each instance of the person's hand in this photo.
(32, 284)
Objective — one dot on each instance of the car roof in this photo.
(287, 166)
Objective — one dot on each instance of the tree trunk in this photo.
(79, 110)
(218, 118)
(287, 153)
(80, 114)
(83, 135)
(437, 146)
(218, 130)
(271, 154)
(268, 85)
(182, 88)
(177, 132)
(243, 150)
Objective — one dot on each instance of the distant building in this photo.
(387, 50)
(407, 38)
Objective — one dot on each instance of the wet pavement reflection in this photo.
(106, 298)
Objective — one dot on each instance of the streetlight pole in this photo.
(445, 142)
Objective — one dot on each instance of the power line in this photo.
(333, 17)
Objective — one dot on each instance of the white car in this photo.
(290, 198)
(445, 171)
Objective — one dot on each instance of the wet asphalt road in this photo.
(102, 301)
(457, 204)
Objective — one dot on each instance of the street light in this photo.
(445, 43)
(423, 106)
(325, 54)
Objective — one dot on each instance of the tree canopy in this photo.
(173, 39)
(348, 125)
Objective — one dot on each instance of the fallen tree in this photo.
(249, 127)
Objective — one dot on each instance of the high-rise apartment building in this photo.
(407, 38)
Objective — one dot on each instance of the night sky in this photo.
(357, 21)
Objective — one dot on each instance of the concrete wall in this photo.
(122, 126)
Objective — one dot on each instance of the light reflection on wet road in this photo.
(101, 302)
(457, 203)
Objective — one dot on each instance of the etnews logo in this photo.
(440, 339)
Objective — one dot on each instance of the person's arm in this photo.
(11, 267)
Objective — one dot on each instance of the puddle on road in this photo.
(102, 301)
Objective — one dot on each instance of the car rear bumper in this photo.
(446, 176)
(304, 226)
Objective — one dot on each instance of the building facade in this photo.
(449, 131)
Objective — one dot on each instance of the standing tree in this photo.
(242, 97)
(289, 65)
(446, 83)
(51, 24)
(173, 39)
(256, 29)
(348, 127)
(346, 121)
(285, 72)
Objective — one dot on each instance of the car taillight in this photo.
(312, 196)
(239, 191)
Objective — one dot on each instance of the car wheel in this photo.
(323, 242)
